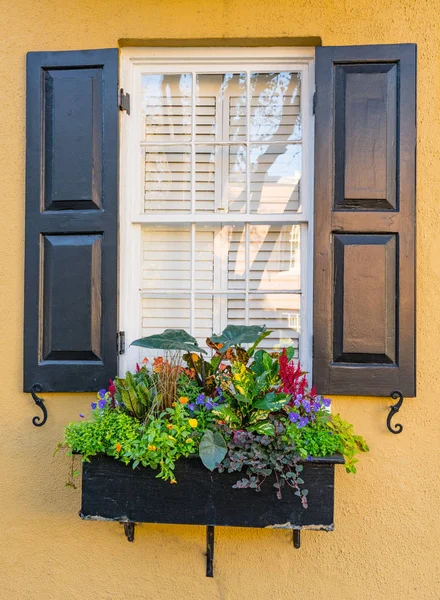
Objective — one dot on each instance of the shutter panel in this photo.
(71, 220)
(364, 257)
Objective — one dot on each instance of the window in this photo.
(216, 193)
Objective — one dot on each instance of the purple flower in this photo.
(309, 457)
(316, 405)
(303, 421)
(81, 415)
(209, 404)
(191, 406)
(293, 417)
(326, 402)
(102, 403)
(297, 403)
(93, 405)
(102, 393)
(299, 397)
(200, 399)
(306, 405)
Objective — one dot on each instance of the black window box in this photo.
(116, 492)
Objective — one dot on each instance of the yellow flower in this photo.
(173, 481)
(170, 437)
(183, 399)
(151, 447)
(118, 447)
(189, 441)
(170, 426)
(193, 423)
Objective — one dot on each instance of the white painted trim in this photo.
(134, 62)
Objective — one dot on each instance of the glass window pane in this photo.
(220, 178)
(167, 179)
(203, 319)
(166, 261)
(236, 256)
(204, 258)
(275, 107)
(281, 314)
(221, 107)
(275, 174)
(164, 313)
(274, 257)
(166, 107)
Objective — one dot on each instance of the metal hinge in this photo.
(314, 102)
(120, 342)
(124, 101)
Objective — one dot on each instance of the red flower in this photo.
(294, 380)
(111, 388)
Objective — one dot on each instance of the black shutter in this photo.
(364, 256)
(71, 220)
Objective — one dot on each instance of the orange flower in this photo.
(151, 447)
(170, 426)
(118, 447)
(183, 399)
(145, 361)
(173, 404)
(173, 481)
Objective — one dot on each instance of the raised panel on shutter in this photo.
(71, 220)
(364, 258)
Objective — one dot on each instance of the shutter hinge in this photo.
(120, 342)
(124, 101)
(314, 102)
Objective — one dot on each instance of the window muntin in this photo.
(221, 217)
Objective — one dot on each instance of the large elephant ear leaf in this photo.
(170, 339)
(212, 449)
(236, 335)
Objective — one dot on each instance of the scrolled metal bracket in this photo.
(397, 428)
(37, 420)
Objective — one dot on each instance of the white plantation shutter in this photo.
(224, 219)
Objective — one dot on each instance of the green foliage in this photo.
(253, 399)
(212, 449)
(350, 443)
(137, 392)
(157, 443)
(170, 339)
(236, 335)
(244, 410)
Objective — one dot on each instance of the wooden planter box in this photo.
(112, 491)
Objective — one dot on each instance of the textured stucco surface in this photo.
(387, 517)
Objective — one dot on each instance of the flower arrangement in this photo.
(243, 410)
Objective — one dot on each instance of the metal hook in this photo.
(393, 410)
(37, 420)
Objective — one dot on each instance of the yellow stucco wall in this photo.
(387, 516)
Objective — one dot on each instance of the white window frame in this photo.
(133, 63)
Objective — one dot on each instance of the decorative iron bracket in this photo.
(37, 420)
(397, 428)
(210, 551)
